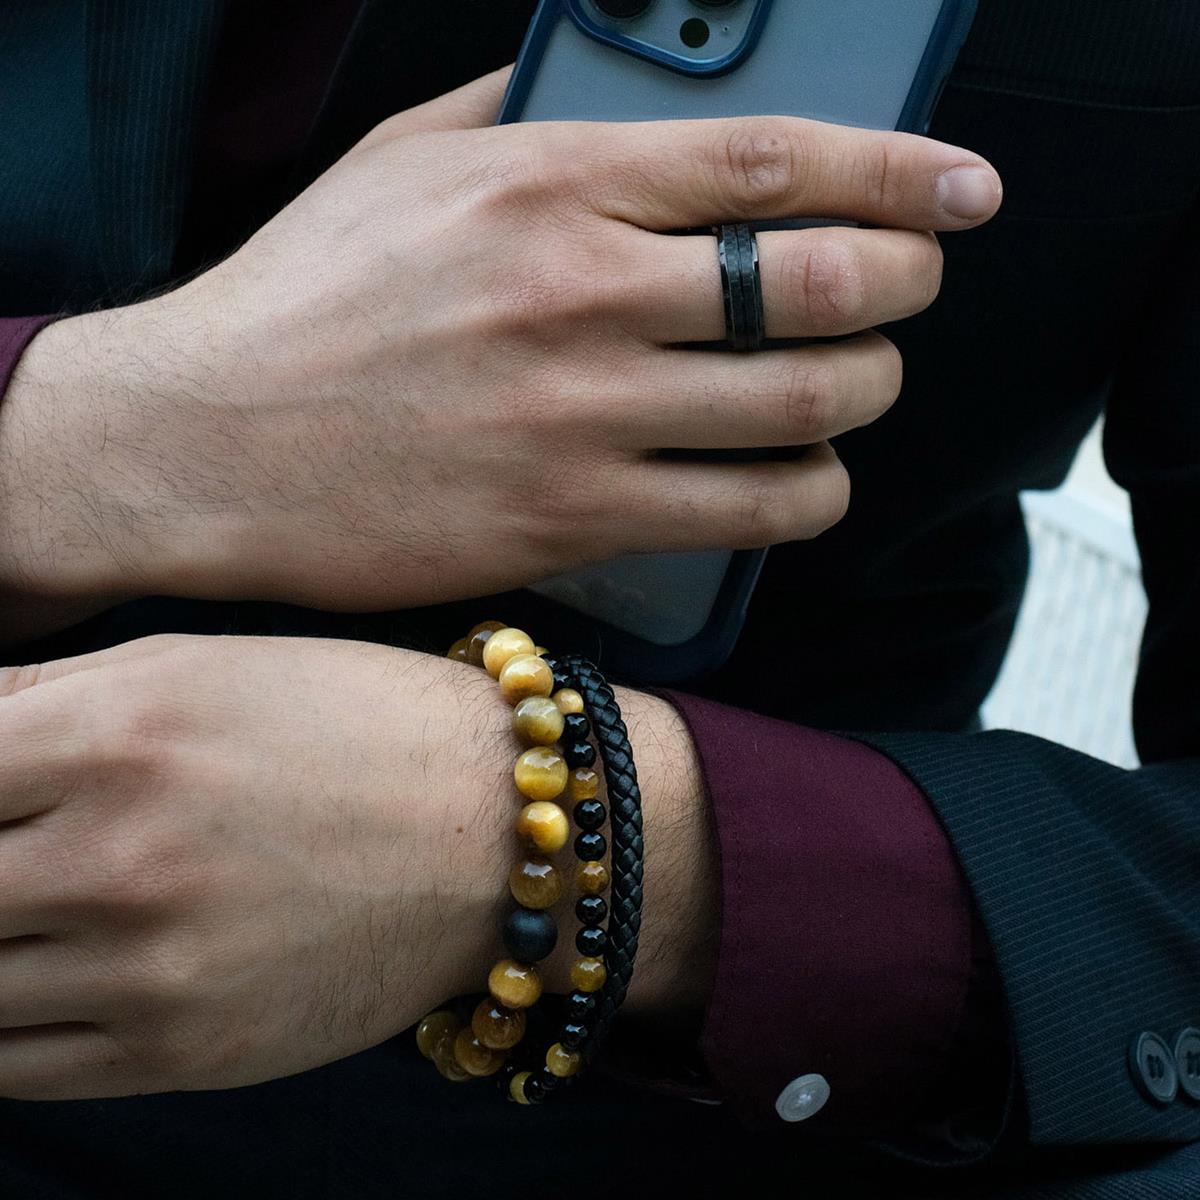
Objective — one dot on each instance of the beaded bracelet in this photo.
(625, 819)
(547, 712)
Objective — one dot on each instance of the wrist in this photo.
(97, 504)
(677, 950)
(676, 958)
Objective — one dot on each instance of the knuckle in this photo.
(524, 178)
(758, 162)
(893, 370)
(838, 502)
(554, 291)
(933, 261)
(141, 872)
(134, 734)
(828, 505)
(540, 176)
(879, 173)
(17, 679)
(164, 984)
(558, 523)
(809, 398)
(830, 281)
(535, 298)
(166, 1056)
(764, 515)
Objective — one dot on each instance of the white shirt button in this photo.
(804, 1097)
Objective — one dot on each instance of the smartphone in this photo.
(878, 64)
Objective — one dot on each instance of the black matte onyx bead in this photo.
(548, 1080)
(591, 941)
(580, 1006)
(530, 934)
(562, 679)
(579, 754)
(589, 815)
(535, 1093)
(576, 727)
(591, 910)
(590, 846)
(574, 1034)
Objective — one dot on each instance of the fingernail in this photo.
(968, 193)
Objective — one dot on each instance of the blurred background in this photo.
(1069, 674)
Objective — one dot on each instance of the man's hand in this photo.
(230, 860)
(448, 366)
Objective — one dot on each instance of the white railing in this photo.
(1069, 673)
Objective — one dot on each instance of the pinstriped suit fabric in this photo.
(1088, 879)
(143, 113)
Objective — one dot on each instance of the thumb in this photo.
(472, 106)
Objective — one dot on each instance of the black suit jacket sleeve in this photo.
(1087, 876)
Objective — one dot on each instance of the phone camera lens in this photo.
(694, 33)
(622, 8)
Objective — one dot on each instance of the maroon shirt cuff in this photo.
(846, 925)
(15, 334)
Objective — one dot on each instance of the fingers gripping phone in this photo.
(877, 64)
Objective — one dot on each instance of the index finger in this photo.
(664, 175)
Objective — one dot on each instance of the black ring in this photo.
(741, 287)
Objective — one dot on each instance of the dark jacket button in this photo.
(1152, 1066)
(1187, 1063)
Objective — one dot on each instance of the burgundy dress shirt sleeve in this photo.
(15, 334)
(848, 943)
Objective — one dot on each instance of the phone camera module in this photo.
(622, 8)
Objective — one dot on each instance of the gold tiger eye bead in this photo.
(563, 1062)
(525, 675)
(433, 1028)
(513, 984)
(478, 638)
(535, 883)
(537, 721)
(501, 646)
(541, 773)
(540, 651)
(447, 1062)
(474, 1057)
(568, 701)
(497, 1027)
(458, 652)
(516, 1087)
(544, 825)
(592, 878)
(588, 974)
(583, 784)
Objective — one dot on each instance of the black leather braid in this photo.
(625, 824)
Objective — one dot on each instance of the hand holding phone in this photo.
(445, 369)
(868, 63)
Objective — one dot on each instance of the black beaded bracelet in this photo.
(628, 847)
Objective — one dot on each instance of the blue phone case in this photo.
(576, 65)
